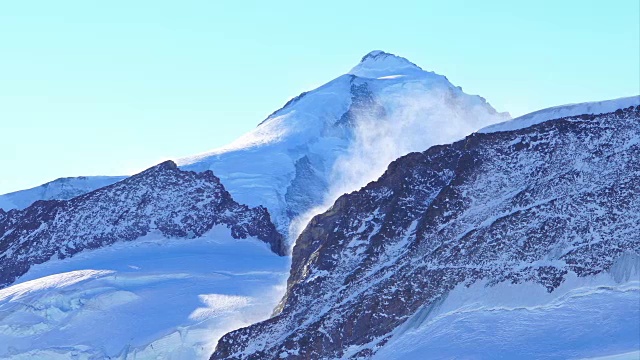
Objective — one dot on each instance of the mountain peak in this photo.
(165, 166)
(379, 63)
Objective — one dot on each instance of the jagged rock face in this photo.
(529, 205)
(363, 104)
(175, 203)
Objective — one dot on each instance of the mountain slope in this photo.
(162, 199)
(385, 107)
(536, 206)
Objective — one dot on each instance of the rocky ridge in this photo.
(527, 205)
(163, 200)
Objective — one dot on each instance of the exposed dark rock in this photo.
(529, 205)
(164, 199)
(287, 104)
(363, 104)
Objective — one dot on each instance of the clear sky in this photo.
(112, 87)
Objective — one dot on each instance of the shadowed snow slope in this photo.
(150, 299)
(523, 321)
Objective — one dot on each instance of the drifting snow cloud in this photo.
(413, 120)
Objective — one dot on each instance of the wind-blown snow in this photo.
(556, 112)
(148, 299)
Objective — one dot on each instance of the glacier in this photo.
(148, 299)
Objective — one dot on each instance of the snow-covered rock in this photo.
(175, 203)
(546, 209)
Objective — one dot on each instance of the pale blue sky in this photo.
(112, 87)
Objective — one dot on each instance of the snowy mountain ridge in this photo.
(556, 112)
(175, 203)
(160, 256)
(322, 143)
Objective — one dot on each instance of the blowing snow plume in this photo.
(391, 121)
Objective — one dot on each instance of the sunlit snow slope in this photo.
(149, 299)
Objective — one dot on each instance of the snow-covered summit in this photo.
(556, 112)
(381, 64)
(338, 137)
